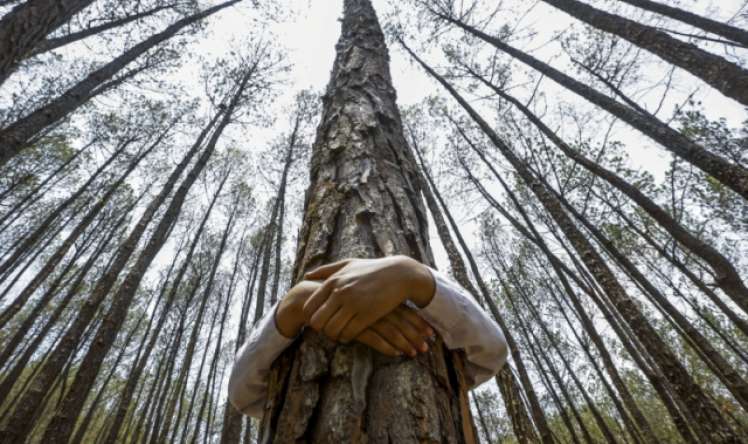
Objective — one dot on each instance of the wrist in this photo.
(287, 319)
(419, 282)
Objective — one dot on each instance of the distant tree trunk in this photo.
(732, 175)
(28, 24)
(52, 262)
(713, 424)
(713, 26)
(232, 419)
(362, 202)
(727, 77)
(17, 135)
(522, 425)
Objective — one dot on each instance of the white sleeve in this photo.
(463, 324)
(249, 375)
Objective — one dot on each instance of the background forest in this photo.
(584, 163)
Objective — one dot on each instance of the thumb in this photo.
(326, 271)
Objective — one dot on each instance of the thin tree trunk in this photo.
(129, 390)
(368, 209)
(58, 42)
(20, 425)
(727, 276)
(52, 262)
(713, 26)
(61, 426)
(522, 425)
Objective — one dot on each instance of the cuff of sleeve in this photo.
(270, 336)
(440, 311)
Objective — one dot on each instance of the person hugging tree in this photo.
(394, 305)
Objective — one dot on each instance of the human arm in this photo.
(357, 291)
(401, 331)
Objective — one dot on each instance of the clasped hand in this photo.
(363, 300)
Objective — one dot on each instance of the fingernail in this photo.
(430, 332)
(424, 347)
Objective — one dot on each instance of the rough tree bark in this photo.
(28, 24)
(363, 201)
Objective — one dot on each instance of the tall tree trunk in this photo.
(713, 26)
(28, 24)
(733, 176)
(522, 425)
(710, 420)
(52, 262)
(362, 202)
(25, 244)
(17, 135)
(727, 77)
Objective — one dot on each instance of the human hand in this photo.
(399, 332)
(359, 292)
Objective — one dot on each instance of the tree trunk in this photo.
(59, 42)
(713, 26)
(28, 24)
(733, 176)
(522, 425)
(129, 390)
(363, 202)
(713, 424)
(16, 136)
(727, 77)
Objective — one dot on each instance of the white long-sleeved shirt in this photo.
(452, 312)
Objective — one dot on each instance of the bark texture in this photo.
(363, 201)
(28, 24)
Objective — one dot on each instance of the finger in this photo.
(317, 298)
(375, 341)
(337, 322)
(354, 328)
(416, 339)
(391, 334)
(418, 322)
(322, 316)
(325, 271)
